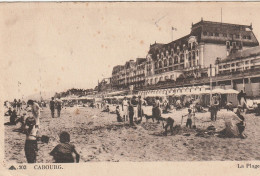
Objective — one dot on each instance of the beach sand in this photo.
(98, 137)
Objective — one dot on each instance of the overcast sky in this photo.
(56, 46)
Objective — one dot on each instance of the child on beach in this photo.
(62, 153)
(31, 140)
(119, 118)
(189, 120)
(13, 118)
(169, 123)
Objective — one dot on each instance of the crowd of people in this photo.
(29, 117)
(129, 110)
(132, 110)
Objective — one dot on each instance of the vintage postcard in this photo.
(130, 88)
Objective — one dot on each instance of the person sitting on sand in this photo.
(119, 118)
(62, 153)
(31, 140)
(9, 112)
(229, 106)
(189, 120)
(169, 123)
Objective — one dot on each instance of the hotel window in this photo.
(160, 64)
(197, 52)
(189, 56)
(224, 35)
(176, 60)
(165, 63)
(170, 61)
(182, 58)
(237, 36)
(193, 55)
(244, 37)
(216, 34)
(205, 33)
(220, 67)
(211, 34)
(249, 37)
(246, 62)
(189, 45)
(156, 65)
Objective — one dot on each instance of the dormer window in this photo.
(216, 34)
(205, 33)
(211, 34)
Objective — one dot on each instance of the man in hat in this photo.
(125, 109)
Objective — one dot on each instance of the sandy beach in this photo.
(98, 137)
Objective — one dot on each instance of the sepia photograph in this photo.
(130, 82)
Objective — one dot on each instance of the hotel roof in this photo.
(251, 52)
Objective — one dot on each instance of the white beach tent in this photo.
(231, 91)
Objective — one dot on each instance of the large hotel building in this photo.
(229, 53)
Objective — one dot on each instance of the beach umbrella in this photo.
(218, 91)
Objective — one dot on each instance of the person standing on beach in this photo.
(19, 107)
(214, 107)
(140, 109)
(157, 110)
(118, 113)
(125, 109)
(52, 106)
(189, 118)
(58, 107)
(35, 111)
(134, 103)
(131, 113)
(31, 147)
(15, 104)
